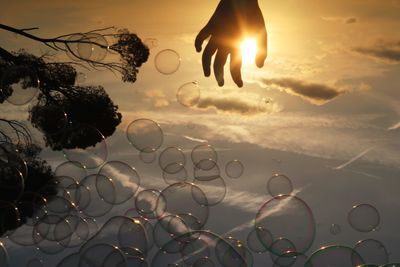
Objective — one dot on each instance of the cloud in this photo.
(237, 103)
(351, 20)
(345, 20)
(157, 97)
(313, 92)
(388, 51)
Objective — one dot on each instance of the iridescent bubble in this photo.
(335, 229)
(122, 177)
(19, 84)
(97, 255)
(204, 152)
(364, 218)
(215, 190)
(90, 157)
(206, 170)
(281, 246)
(188, 94)
(147, 157)
(80, 234)
(172, 160)
(167, 233)
(127, 233)
(234, 169)
(172, 178)
(232, 252)
(72, 169)
(93, 46)
(167, 61)
(334, 256)
(186, 198)
(134, 215)
(259, 240)
(279, 184)
(97, 206)
(150, 203)
(195, 250)
(145, 135)
(72, 46)
(288, 217)
(372, 252)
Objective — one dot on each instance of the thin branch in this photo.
(29, 29)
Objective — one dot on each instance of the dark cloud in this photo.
(351, 20)
(315, 93)
(388, 51)
(243, 104)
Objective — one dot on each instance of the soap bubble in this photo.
(145, 135)
(279, 184)
(188, 94)
(234, 169)
(167, 61)
(364, 218)
(19, 84)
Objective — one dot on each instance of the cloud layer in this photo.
(235, 102)
(313, 92)
(388, 51)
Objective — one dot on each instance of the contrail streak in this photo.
(353, 159)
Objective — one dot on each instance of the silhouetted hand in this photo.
(232, 21)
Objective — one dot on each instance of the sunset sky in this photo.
(331, 79)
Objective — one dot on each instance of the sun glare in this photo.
(249, 50)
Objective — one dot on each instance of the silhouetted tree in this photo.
(25, 180)
(65, 110)
(65, 113)
(65, 117)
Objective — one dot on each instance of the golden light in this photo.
(249, 50)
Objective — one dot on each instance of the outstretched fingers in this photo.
(219, 63)
(201, 37)
(262, 48)
(235, 67)
(209, 51)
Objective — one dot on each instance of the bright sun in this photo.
(249, 50)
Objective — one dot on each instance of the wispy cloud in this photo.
(235, 102)
(385, 50)
(315, 93)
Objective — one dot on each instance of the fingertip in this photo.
(221, 83)
(260, 61)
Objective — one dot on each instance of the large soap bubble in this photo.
(167, 61)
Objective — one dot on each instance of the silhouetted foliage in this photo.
(64, 117)
(133, 54)
(25, 180)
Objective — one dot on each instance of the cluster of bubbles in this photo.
(87, 46)
(167, 227)
(164, 227)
